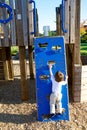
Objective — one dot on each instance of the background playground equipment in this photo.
(18, 33)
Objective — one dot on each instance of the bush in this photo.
(84, 38)
(14, 50)
(83, 49)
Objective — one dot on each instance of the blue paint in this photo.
(3, 5)
(44, 86)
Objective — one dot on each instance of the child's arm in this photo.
(66, 78)
(65, 82)
(50, 68)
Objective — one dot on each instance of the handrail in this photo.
(63, 17)
(4, 21)
(32, 1)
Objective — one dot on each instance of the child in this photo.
(56, 95)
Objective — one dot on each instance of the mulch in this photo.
(18, 115)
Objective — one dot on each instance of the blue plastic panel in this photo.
(49, 49)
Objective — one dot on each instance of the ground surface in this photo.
(18, 115)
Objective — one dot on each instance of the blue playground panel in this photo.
(49, 49)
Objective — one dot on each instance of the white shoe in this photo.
(62, 111)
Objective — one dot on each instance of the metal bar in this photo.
(63, 17)
(32, 1)
(5, 27)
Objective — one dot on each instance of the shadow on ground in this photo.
(18, 119)
(10, 91)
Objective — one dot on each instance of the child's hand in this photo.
(50, 65)
(66, 76)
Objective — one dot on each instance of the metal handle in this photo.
(10, 13)
(63, 17)
(32, 1)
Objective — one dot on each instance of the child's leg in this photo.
(59, 103)
(52, 103)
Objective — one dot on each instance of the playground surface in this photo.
(18, 115)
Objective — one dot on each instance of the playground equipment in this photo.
(18, 32)
(17, 29)
(3, 5)
(32, 1)
(49, 49)
(72, 39)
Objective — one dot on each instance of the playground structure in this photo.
(76, 72)
(20, 31)
(53, 49)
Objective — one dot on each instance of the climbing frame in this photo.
(49, 49)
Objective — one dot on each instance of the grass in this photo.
(83, 49)
(14, 50)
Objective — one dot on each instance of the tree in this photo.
(52, 33)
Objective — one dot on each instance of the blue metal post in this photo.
(63, 17)
(32, 1)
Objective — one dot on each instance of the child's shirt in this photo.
(56, 86)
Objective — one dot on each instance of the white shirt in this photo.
(56, 86)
